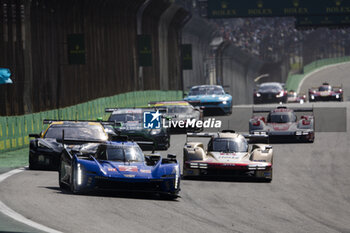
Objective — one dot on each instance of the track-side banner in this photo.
(274, 8)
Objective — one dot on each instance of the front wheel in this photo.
(166, 196)
(73, 180)
(60, 175)
(32, 164)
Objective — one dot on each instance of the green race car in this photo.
(131, 124)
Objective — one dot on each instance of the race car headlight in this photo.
(312, 97)
(42, 144)
(258, 94)
(280, 94)
(177, 177)
(223, 98)
(298, 133)
(337, 96)
(155, 131)
(224, 102)
(194, 165)
(79, 174)
(260, 133)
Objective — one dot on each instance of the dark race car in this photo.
(181, 111)
(118, 166)
(130, 122)
(270, 92)
(293, 97)
(44, 150)
(326, 93)
(282, 125)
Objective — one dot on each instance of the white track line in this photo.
(317, 70)
(16, 216)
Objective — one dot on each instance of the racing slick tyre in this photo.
(61, 184)
(164, 147)
(263, 178)
(32, 164)
(172, 197)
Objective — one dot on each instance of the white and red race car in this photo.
(227, 155)
(326, 93)
(293, 97)
(282, 124)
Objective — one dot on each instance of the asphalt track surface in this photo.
(310, 192)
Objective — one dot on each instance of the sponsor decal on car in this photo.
(124, 168)
(145, 171)
(112, 169)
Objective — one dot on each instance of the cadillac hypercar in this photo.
(118, 166)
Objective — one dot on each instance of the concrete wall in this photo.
(199, 33)
(236, 71)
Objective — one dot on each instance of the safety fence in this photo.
(14, 130)
(294, 80)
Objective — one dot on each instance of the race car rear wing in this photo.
(250, 137)
(267, 110)
(111, 109)
(160, 109)
(256, 137)
(48, 121)
(145, 143)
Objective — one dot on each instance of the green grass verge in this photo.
(14, 159)
(293, 80)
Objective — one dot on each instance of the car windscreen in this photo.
(229, 145)
(208, 90)
(272, 88)
(128, 154)
(76, 132)
(180, 109)
(325, 88)
(281, 117)
(125, 117)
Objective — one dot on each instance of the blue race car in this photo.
(119, 166)
(210, 98)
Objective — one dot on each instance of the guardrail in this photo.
(14, 130)
(294, 80)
